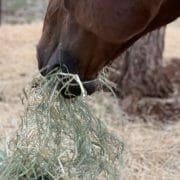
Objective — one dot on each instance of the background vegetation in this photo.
(20, 11)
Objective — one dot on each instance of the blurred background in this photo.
(147, 118)
(22, 11)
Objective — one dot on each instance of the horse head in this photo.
(82, 36)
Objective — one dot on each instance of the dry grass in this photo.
(152, 150)
(17, 64)
(172, 40)
(60, 138)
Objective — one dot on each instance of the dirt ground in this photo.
(152, 149)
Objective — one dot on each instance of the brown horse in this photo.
(89, 34)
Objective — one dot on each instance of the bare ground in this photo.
(152, 147)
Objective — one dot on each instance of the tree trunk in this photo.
(139, 71)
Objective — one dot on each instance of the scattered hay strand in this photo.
(60, 138)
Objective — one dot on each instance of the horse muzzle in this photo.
(78, 88)
(61, 60)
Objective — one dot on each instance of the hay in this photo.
(60, 138)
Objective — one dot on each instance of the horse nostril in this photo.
(68, 62)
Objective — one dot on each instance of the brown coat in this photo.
(89, 34)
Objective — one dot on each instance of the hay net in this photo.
(60, 138)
